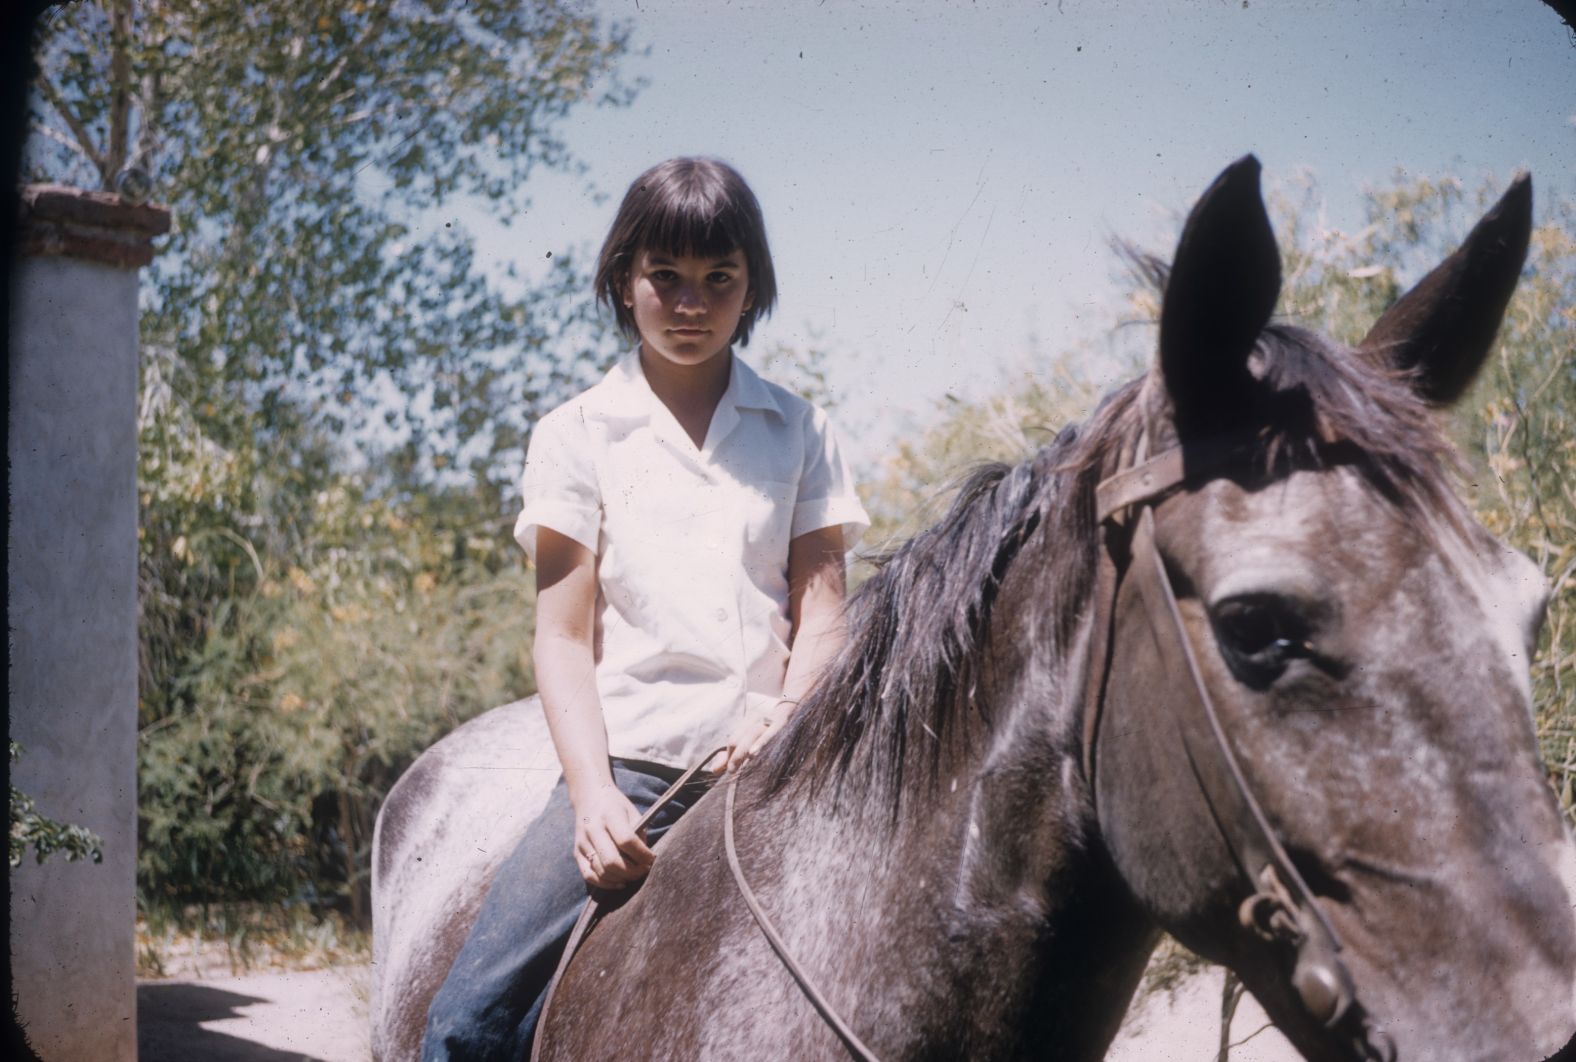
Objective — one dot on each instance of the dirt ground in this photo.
(268, 1016)
(206, 1013)
(1184, 1026)
(205, 1010)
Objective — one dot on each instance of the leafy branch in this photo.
(45, 835)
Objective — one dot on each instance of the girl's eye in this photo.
(664, 276)
(1259, 635)
(721, 278)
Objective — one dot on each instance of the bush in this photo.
(268, 746)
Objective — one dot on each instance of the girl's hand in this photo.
(608, 851)
(754, 732)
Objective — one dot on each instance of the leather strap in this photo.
(1246, 829)
(1147, 480)
(591, 912)
(593, 907)
(1097, 660)
(1142, 482)
(856, 1046)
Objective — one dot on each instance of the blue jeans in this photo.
(489, 1004)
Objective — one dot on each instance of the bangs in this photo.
(695, 222)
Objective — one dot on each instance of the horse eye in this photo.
(1258, 636)
(1249, 626)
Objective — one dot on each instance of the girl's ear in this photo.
(626, 292)
(749, 301)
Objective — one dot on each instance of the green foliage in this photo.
(198, 942)
(335, 393)
(307, 153)
(309, 695)
(1525, 439)
(45, 835)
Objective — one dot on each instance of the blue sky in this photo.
(941, 180)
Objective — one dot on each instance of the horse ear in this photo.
(1443, 328)
(1222, 287)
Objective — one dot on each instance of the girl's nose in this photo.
(690, 300)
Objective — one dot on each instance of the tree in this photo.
(321, 353)
(301, 146)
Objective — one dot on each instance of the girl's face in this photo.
(687, 309)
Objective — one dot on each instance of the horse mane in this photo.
(919, 629)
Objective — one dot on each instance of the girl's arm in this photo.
(816, 587)
(606, 847)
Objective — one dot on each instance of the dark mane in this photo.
(908, 680)
(919, 629)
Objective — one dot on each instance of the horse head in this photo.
(1391, 876)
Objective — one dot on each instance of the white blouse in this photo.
(692, 616)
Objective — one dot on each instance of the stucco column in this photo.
(72, 592)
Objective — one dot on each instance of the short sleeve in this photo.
(559, 487)
(826, 486)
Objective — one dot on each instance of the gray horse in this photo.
(1230, 660)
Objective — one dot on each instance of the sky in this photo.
(942, 180)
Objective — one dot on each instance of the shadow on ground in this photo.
(170, 1019)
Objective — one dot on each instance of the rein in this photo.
(592, 911)
(1282, 908)
(856, 1046)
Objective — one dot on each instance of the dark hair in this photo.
(688, 207)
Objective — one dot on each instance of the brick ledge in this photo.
(63, 222)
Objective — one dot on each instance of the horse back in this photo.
(442, 832)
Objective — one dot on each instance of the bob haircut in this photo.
(688, 207)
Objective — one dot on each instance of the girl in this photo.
(688, 522)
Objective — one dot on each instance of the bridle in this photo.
(1282, 910)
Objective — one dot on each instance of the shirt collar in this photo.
(624, 393)
(747, 390)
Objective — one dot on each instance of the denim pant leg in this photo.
(488, 1005)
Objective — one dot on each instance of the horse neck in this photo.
(985, 898)
(1039, 863)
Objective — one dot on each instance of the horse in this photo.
(1229, 661)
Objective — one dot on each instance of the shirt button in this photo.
(721, 614)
